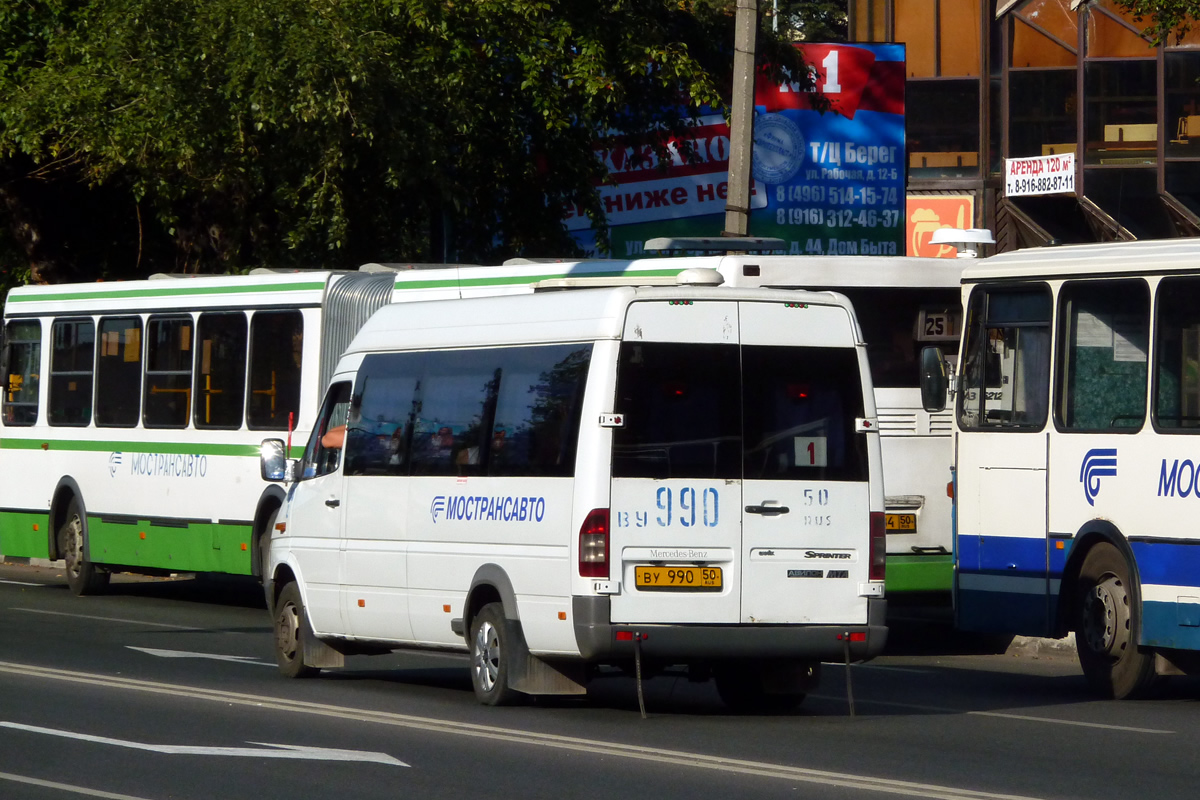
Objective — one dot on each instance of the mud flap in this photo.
(530, 674)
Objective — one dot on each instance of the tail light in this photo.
(878, 546)
(593, 544)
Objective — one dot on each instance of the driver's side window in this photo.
(324, 452)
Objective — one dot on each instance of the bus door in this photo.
(1002, 580)
(807, 511)
(676, 494)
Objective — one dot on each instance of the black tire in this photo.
(491, 652)
(741, 686)
(1106, 627)
(83, 577)
(291, 632)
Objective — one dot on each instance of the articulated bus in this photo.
(133, 412)
(1077, 423)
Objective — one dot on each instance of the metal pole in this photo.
(741, 122)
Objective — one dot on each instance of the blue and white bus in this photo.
(1077, 424)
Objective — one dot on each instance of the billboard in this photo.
(826, 182)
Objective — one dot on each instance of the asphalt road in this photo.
(167, 689)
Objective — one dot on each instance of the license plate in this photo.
(901, 523)
(677, 579)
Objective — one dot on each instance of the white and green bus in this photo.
(133, 411)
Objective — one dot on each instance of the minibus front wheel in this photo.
(1106, 627)
(291, 630)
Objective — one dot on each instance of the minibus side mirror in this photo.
(934, 382)
(274, 464)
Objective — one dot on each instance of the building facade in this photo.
(995, 79)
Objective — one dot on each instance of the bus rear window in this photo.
(800, 407)
(722, 412)
(682, 411)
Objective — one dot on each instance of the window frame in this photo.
(147, 372)
(1061, 345)
(90, 373)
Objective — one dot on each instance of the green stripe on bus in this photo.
(199, 547)
(166, 448)
(174, 291)
(931, 573)
(25, 534)
(517, 280)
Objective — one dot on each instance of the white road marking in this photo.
(21, 583)
(212, 656)
(106, 619)
(1000, 714)
(66, 787)
(279, 751)
(594, 747)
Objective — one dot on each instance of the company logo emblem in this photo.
(438, 507)
(778, 149)
(114, 461)
(1098, 463)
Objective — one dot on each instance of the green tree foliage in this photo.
(1166, 20)
(215, 135)
(811, 20)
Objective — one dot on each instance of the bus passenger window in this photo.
(119, 372)
(220, 370)
(1177, 359)
(276, 346)
(22, 367)
(1005, 380)
(1104, 339)
(72, 354)
(168, 372)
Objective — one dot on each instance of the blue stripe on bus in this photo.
(1167, 563)
(1175, 625)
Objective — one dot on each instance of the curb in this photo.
(1036, 646)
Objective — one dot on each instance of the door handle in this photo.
(333, 503)
(769, 510)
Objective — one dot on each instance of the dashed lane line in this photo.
(676, 758)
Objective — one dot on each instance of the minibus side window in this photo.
(800, 407)
(324, 451)
(536, 424)
(1005, 381)
(682, 411)
(1177, 355)
(454, 403)
(379, 431)
(1103, 347)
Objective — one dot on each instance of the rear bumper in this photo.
(597, 637)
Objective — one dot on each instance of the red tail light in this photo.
(878, 546)
(593, 544)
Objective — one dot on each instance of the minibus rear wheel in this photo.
(1106, 627)
(491, 655)
(291, 632)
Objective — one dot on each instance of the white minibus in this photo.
(635, 476)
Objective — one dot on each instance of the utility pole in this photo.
(741, 122)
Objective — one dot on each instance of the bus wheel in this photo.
(1106, 627)
(490, 655)
(83, 576)
(291, 632)
(744, 688)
